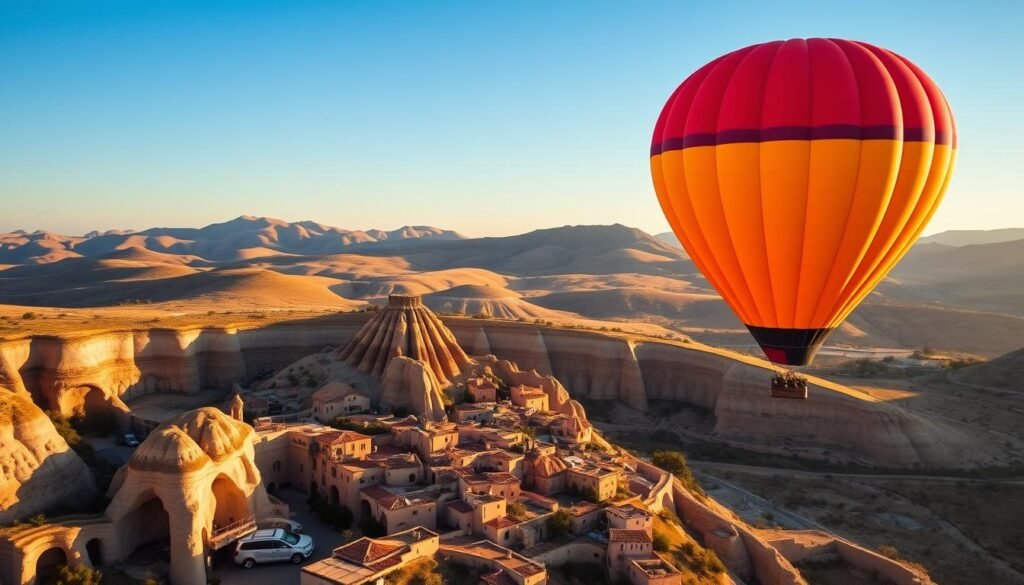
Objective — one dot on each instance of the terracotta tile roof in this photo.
(461, 507)
(375, 492)
(501, 478)
(582, 508)
(384, 563)
(503, 522)
(366, 550)
(623, 535)
(340, 437)
(527, 569)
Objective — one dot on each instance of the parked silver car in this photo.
(272, 545)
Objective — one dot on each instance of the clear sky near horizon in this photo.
(490, 118)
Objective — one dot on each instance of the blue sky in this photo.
(490, 118)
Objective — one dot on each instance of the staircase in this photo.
(226, 535)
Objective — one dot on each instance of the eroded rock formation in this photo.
(405, 327)
(38, 471)
(164, 492)
(410, 384)
(588, 364)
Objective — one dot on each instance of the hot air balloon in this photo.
(796, 174)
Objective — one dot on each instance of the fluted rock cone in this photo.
(406, 327)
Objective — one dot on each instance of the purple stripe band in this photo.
(835, 131)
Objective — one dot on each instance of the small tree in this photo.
(516, 510)
(559, 524)
(674, 462)
(79, 575)
(661, 542)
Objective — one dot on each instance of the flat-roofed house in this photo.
(338, 399)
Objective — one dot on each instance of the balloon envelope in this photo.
(796, 174)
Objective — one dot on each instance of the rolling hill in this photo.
(950, 292)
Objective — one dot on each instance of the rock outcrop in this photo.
(849, 424)
(410, 384)
(193, 475)
(60, 373)
(590, 365)
(405, 327)
(38, 471)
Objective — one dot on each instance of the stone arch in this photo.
(100, 411)
(94, 552)
(147, 523)
(231, 503)
(335, 498)
(80, 399)
(50, 561)
(666, 502)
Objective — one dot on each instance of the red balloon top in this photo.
(804, 89)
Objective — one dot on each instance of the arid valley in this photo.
(909, 447)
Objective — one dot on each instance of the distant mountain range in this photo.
(962, 296)
(242, 238)
(972, 237)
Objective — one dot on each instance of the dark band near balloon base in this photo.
(789, 347)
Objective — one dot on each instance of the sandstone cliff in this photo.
(734, 388)
(589, 365)
(126, 364)
(38, 471)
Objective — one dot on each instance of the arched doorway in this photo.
(94, 549)
(335, 499)
(313, 491)
(49, 563)
(91, 410)
(232, 504)
(364, 510)
(147, 526)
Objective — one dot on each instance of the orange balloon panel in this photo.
(796, 174)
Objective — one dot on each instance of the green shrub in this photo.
(79, 575)
(559, 524)
(661, 542)
(675, 463)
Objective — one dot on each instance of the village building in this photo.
(426, 437)
(398, 511)
(572, 430)
(367, 560)
(653, 571)
(474, 413)
(600, 481)
(338, 399)
(530, 398)
(481, 390)
(629, 517)
(626, 545)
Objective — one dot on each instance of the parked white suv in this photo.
(271, 545)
